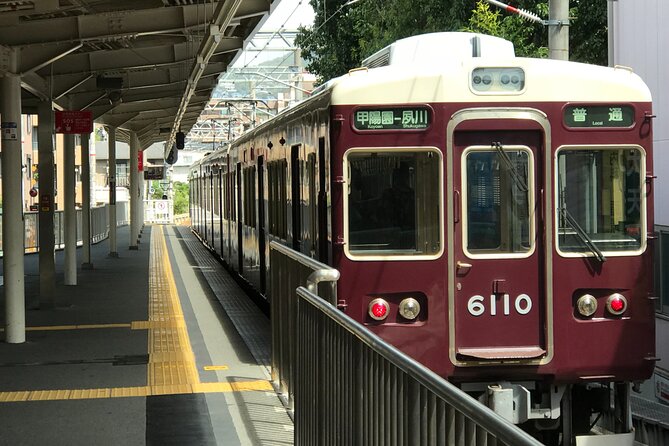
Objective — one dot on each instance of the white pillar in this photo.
(45, 169)
(558, 35)
(134, 191)
(142, 197)
(70, 214)
(86, 200)
(12, 204)
(111, 166)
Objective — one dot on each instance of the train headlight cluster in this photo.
(586, 305)
(616, 304)
(498, 80)
(409, 309)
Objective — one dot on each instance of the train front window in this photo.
(600, 203)
(394, 202)
(498, 182)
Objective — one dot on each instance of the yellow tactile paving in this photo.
(171, 368)
(169, 335)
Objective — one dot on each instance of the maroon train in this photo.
(489, 216)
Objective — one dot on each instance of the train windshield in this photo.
(394, 202)
(600, 200)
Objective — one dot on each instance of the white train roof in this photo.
(446, 76)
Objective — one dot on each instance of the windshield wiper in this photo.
(582, 235)
(517, 178)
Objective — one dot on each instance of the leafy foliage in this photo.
(180, 197)
(343, 35)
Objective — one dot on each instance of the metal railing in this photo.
(352, 387)
(289, 270)
(99, 226)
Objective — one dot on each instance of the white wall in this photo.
(641, 41)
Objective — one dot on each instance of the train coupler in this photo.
(513, 402)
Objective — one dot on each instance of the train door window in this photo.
(498, 200)
(271, 200)
(233, 196)
(283, 200)
(249, 196)
(313, 201)
(296, 195)
(600, 201)
(393, 207)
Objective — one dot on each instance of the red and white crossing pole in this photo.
(558, 25)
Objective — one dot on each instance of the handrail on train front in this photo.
(290, 269)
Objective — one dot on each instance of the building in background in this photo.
(638, 38)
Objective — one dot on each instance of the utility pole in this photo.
(558, 29)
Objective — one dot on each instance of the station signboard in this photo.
(154, 172)
(74, 121)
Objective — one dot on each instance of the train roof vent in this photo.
(440, 49)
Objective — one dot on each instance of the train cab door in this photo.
(240, 220)
(261, 224)
(296, 196)
(501, 301)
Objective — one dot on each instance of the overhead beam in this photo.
(224, 13)
(104, 27)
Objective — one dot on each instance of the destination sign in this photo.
(605, 116)
(392, 118)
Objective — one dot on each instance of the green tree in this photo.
(181, 197)
(342, 36)
(158, 191)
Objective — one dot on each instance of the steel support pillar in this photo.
(47, 239)
(134, 192)
(111, 167)
(86, 200)
(70, 214)
(12, 203)
(558, 29)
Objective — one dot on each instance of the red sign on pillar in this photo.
(140, 161)
(74, 121)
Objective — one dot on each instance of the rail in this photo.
(354, 388)
(289, 270)
(99, 226)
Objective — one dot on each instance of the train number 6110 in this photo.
(522, 304)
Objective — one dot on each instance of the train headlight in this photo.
(378, 309)
(616, 304)
(409, 308)
(586, 305)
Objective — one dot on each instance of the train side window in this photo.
(393, 207)
(498, 199)
(661, 262)
(600, 200)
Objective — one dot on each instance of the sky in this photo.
(291, 12)
(288, 14)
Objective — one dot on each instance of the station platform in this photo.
(159, 346)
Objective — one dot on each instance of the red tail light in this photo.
(378, 309)
(616, 304)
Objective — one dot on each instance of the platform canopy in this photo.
(143, 66)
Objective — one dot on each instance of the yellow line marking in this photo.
(75, 327)
(129, 392)
(210, 368)
(171, 368)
